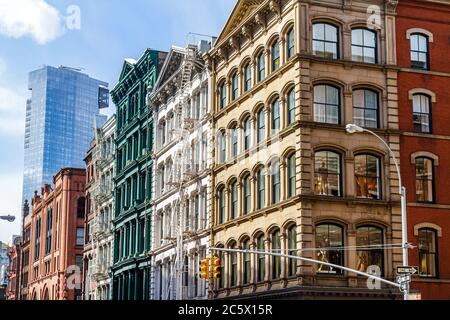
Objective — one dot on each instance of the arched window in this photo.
(81, 207)
(261, 120)
(234, 266)
(275, 55)
(234, 142)
(222, 95)
(327, 165)
(369, 239)
(291, 176)
(367, 176)
(292, 249)
(366, 108)
(247, 77)
(422, 113)
(329, 241)
(234, 86)
(234, 200)
(364, 45)
(428, 253)
(290, 107)
(247, 197)
(247, 133)
(275, 181)
(326, 104)
(260, 187)
(276, 122)
(246, 262)
(261, 259)
(290, 43)
(325, 40)
(419, 51)
(222, 209)
(424, 179)
(222, 147)
(261, 65)
(276, 260)
(49, 226)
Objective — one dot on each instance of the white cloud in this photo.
(36, 18)
(12, 113)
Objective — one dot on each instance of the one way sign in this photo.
(407, 270)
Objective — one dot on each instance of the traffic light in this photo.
(204, 269)
(217, 267)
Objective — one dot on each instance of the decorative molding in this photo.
(429, 225)
(411, 31)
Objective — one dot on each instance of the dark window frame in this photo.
(420, 114)
(328, 105)
(378, 111)
(324, 41)
(363, 46)
(379, 178)
(425, 180)
(418, 51)
(339, 174)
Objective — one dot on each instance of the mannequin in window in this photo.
(322, 183)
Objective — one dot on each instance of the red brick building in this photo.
(423, 54)
(57, 238)
(13, 289)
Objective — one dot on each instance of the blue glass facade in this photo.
(60, 116)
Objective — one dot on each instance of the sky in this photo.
(95, 35)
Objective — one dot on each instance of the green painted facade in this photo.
(134, 177)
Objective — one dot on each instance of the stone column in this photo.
(253, 267)
(283, 260)
(283, 113)
(282, 44)
(240, 207)
(267, 261)
(283, 180)
(268, 60)
(253, 197)
(351, 256)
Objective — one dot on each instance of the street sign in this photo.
(407, 270)
(405, 278)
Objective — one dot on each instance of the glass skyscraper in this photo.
(64, 107)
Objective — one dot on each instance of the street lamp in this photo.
(8, 218)
(352, 129)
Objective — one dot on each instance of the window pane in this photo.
(327, 173)
(357, 37)
(318, 47)
(327, 237)
(369, 38)
(367, 177)
(319, 31)
(331, 33)
(414, 42)
(319, 94)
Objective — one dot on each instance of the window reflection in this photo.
(367, 176)
(329, 241)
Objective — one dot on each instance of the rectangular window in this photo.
(364, 45)
(80, 237)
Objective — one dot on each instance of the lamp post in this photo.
(352, 129)
(8, 218)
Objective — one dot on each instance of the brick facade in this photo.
(431, 19)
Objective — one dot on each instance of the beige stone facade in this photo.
(325, 192)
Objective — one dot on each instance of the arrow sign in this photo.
(407, 270)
